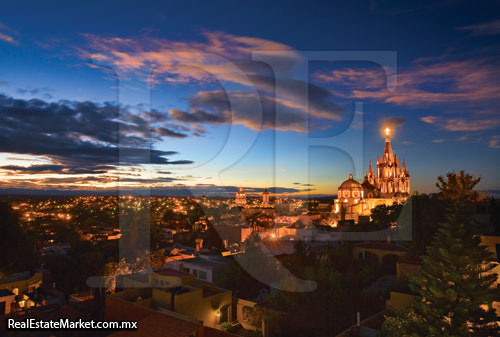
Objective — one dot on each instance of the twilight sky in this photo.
(209, 96)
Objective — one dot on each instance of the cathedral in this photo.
(241, 198)
(266, 206)
(390, 184)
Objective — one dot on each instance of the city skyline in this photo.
(145, 99)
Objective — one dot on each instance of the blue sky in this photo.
(190, 91)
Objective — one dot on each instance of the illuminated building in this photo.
(241, 198)
(265, 198)
(390, 184)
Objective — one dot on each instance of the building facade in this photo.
(265, 198)
(388, 185)
(241, 198)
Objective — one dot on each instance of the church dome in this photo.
(349, 184)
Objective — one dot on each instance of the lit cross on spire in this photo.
(387, 132)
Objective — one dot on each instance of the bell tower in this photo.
(391, 177)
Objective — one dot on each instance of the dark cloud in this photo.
(198, 116)
(163, 172)
(149, 181)
(287, 104)
(298, 104)
(213, 107)
(60, 169)
(308, 189)
(162, 131)
(313, 99)
(154, 115)
(79, 136)
(306, 185)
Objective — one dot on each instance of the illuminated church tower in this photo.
(388, 185)
(241, 198)
(392, 178)
(265, 198)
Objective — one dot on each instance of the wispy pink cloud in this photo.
(462, 124)
(179, 61)
(485, 28)
(7, 38)
(225, 58)
(429, 119)
(470, 81)
(7, 34)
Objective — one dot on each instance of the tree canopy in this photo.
(457, 186)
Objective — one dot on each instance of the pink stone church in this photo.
(390, 185)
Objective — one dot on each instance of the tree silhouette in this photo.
(17, 249)
(458, 186)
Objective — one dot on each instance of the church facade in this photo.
(266, 206)
(241, 198)
(388, 185)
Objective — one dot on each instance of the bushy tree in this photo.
(458, 186)
(455, 283)
(427, 212)
(384, 216)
